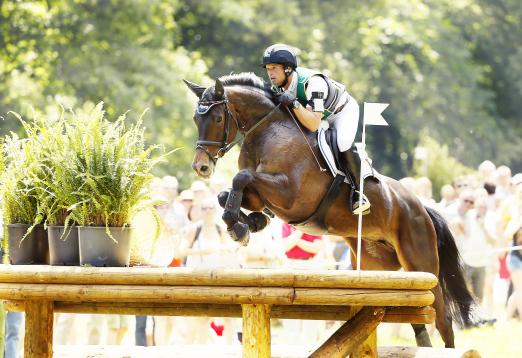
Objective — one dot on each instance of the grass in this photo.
(500, 340)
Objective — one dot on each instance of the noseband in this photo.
(223, 146)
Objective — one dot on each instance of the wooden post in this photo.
(368, 348)
(256, 331)
(351, 334)
(38, 341)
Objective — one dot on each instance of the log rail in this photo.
(363, 299)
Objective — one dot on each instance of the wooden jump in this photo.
(363, 299)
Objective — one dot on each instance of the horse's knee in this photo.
(242, 179)
(222, 198)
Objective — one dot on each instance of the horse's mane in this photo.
(248, 79)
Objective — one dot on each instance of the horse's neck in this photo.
(255, 107)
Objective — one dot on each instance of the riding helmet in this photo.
(281, 54)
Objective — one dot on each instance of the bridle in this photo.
(203, 108)
(223, 146)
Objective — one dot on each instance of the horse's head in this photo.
(216, 129)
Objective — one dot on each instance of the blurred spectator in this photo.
(471, 240)
(503, 182)
(486, 171)
(460, 184)
(448, 196)
(265, 248)
(186, 198)
(200, 191)
(206, 246)
(424, 191)
(175, 213)
(514, 262)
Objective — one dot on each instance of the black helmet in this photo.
(281, 54)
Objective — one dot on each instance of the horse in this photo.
(279, 174)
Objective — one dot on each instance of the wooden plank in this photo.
(219, 277)
(214, 294)
(363, 297)
(256, 331)
(423, 315)
(426, 352)
(351, 334)
(153, 294)
(38, 329)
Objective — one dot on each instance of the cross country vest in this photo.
(335, 89)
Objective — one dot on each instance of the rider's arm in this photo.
(310, 117)
(310, 120)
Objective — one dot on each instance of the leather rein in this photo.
(223, 146)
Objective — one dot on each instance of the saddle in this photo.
(327, 140)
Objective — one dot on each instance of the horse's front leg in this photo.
(264, 183)
(256, 220)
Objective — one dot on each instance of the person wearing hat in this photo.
(312, 97)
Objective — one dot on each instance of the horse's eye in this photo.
(219, 119)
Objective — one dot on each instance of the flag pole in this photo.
(361, 191)
(371, 116)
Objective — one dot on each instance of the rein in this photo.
(223, 146)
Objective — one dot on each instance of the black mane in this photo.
(247, 79)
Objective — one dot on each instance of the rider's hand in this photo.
(286, 98)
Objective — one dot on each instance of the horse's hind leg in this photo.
(417, 251)
(421, 335)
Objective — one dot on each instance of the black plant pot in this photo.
(33, 250)
(63, 247)
(98, 249)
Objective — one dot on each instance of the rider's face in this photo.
(276, 73)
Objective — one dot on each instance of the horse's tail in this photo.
(458, 298)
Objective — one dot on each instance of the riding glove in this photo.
(286, 98)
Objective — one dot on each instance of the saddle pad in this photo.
(326, 151)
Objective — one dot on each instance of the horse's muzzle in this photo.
(202, 165)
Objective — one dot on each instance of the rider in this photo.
(312, 96)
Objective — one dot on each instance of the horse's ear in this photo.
(197, 89)
(219, 90)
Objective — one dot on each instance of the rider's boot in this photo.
(352, 163)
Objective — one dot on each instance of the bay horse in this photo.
(279, 173)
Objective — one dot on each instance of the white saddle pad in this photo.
(326, 151)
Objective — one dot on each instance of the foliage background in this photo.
(452, 70)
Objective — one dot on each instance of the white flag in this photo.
(372, 114)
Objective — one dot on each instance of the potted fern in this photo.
(55, 188)
(19, 164)
(113, 167)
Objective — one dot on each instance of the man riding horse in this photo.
(313, 97)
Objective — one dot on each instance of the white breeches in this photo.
(345, 124)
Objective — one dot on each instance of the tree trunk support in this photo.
(38, 329)
(353, 336)
(256, 331)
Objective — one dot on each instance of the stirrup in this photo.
(365, 208)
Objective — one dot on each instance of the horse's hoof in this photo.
(222, 198)
(268, 212)
(240, 233)
(258, 221)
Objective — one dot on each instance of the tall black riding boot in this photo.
(352, 163)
